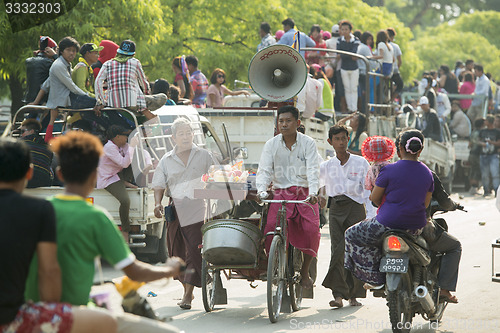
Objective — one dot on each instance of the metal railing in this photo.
(367, 82)
(484, 99)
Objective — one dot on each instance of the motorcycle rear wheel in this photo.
(399, 303)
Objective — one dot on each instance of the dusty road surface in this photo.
(478, 309)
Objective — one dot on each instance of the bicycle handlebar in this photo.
(306, 201)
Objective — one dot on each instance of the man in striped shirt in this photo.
(126, 82)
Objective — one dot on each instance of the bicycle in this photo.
(284, 263)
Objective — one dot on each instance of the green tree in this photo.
(484, 23)
(428, 13)
(448, 46)
(89, 21)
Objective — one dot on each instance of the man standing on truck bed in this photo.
(290, 161)
(85, 232)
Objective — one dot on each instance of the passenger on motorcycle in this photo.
(407, 185)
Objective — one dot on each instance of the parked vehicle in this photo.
(147, 237)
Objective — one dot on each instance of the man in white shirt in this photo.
(265, 35)
(290, 162)
(342, 179)
(310, 98)
(482, 88)
(396, 65)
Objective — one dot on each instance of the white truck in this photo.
(147, 237)
(250, 126)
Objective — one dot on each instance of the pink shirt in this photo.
(467, 88)
(114, 160)
(218, 93)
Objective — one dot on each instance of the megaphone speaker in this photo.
(277, 73)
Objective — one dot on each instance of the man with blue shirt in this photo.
(288, 37)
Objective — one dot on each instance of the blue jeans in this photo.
(81, 101)
(490, 172)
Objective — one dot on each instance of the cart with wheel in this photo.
(235, 248)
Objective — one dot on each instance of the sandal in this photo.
(448, 298)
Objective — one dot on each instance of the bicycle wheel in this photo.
(209, 282)
(295, 260)
(276, 276)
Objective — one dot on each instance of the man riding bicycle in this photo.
(290, 161)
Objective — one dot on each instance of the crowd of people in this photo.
(110, 75)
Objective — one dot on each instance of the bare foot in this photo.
(337, 303)
(306, 282)
(182, 300)
(354, 302)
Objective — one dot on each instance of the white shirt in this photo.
(397, 52)
(286, 168)
(482, 88)
(388, 56)
(443, 106)
(347, 179)
(332, 45)
(181, 180)
(310, 98)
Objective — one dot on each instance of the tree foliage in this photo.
(428, 13)
(472, 36)
(448, 47)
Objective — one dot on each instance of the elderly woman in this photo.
(180, 171)
(407, 186)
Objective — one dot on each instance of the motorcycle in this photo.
(412, 277)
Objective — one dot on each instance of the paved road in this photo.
(247, 312)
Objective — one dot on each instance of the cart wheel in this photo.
(209, 282)
(276, 276)
(295, 260)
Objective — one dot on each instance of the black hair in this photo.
(315, 27)
(479, 67)
(16, 158)
(490, 118)
(360, 130)
(289, 108)
(479, 122)
(414, 145)
(174, 93)
(445, 69)
(469, 61)
(345, 22)
(357, 33)
(391, 32)
(364, 37)
(336, 129)
(301, 129)
(468, 77)
(32, 124)
(289, 22)
(78, 153)
(189, 90)
(68, 42)
(264, 26)
(161, 86)
(192, 60)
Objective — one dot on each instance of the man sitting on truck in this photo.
(431, 126)
(290, 161)
(85, 232)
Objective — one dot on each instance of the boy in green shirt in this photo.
(86, 232)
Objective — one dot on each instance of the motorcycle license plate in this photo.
(394, 265)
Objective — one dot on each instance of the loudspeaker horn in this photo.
(277, 73)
